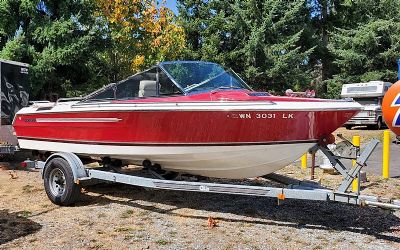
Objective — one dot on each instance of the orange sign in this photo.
(391, 108)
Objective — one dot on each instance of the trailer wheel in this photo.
(59, 182)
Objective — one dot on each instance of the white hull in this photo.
(241, 161)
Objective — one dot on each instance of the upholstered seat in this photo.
(147, 88)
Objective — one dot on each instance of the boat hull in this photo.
(185, 124)
(238, 161)
(215, 139)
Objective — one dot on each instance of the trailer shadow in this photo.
(15, 225)
(254, 210)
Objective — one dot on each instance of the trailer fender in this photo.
(74, 162)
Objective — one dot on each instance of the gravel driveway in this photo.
(119, 216)
(124, 217)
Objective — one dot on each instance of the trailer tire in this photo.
(59, 182)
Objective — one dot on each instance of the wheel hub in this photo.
(57, 182)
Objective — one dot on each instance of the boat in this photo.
(190, 117)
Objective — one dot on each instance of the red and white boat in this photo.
(187, 116)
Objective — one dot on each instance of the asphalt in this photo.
(374, 163)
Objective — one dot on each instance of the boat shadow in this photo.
(253, 210)
(15, 225)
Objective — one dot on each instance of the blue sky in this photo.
(172, 5)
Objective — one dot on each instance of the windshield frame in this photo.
(190, 90)
(114, 85)
(160, 66)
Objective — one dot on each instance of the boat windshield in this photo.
(195, 76)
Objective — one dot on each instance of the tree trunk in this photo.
(325, 39)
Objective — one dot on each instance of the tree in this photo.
(58, 38)
(324, 15)
(368, 51)
(266, 42)
(141, 34)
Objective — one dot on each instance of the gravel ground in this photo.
(364, 133)
(118, 216)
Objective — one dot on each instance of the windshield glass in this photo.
(203, 76)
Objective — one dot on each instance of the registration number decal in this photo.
(261, 116)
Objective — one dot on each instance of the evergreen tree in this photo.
(369, 50)
(59, 38)
(266, 42)
(76, 46)
(324, 16)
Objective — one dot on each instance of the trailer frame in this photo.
(295, 189)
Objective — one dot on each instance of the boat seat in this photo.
(147, 88)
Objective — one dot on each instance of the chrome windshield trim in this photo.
(245, 83)
(160, 66)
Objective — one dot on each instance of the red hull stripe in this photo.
(168, 144)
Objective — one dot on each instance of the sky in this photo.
(172, 5)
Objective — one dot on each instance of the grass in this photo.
(228, 246)
(101, 215)
(127, 214)
(27, 188)
(317, 247)
(144, 213)
(129, 237)
(124, 229)
(128, 229)
(287, 238)
(163, 242)
(86, 223)
(25, 213)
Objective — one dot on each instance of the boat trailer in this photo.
(64, 173)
